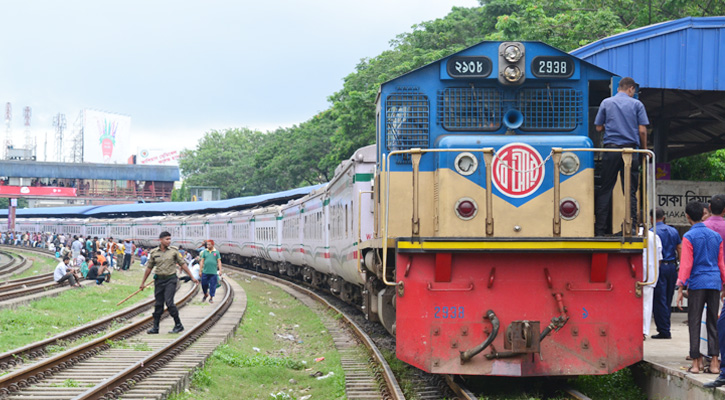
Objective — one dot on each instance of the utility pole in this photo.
(8, 134)
(59, 123)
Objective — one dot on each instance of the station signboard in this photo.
(40, 191)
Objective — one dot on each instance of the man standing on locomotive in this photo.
(623, 120)
(165, 258)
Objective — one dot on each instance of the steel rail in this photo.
(462, 392)
(9, 263)
(21, 292)
(393, 387)
(10, 269)
(32, 280)
(34, 350)
(16, 380)
(118, 384)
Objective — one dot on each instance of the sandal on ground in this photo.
(689, 370)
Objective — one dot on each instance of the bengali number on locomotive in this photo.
(448, 312)
(469, 67)
(552, 67)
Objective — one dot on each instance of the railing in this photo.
(647, 187)
(122, 192)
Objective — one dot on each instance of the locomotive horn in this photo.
(513, 119)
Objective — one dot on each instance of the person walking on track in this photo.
(211, 266)
(165, 258)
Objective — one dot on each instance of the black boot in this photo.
(155, 329)
(177, 325)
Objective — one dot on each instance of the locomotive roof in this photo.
(467, 49)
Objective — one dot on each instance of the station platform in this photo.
(665, 373)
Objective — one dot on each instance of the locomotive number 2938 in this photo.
(552, 67)
(448, 312)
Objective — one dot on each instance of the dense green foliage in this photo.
(5, 202)
(245, 162)
(702, 167)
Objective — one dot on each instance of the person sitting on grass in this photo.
(64, 272)
(99, 274)
(83, 265)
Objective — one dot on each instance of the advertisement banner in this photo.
(106, 137)
(157, 157)
(30, 191)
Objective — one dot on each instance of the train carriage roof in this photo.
(151, 209)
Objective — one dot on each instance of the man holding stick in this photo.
(165, 258)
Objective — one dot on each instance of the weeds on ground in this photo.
(272, 354)
(619, 385)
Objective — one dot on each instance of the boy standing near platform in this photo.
(703, 268)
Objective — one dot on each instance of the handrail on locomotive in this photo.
(647, 187)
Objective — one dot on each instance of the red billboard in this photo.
(31, 191)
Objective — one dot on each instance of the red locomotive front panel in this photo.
(450, 303)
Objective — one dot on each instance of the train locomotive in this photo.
(467, 230)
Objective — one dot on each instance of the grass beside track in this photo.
(48, 317)
(272, 355)
(41, 264)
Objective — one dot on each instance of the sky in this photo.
(182, 68)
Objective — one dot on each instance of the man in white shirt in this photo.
(651, 258)
(64, 272)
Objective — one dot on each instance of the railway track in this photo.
(127, 362)
(364, 379)
(16, 264)
(24, 287)
(35, 350)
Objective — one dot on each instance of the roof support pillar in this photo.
(660, 135)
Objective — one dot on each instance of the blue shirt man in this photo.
(623, 120)
(665, 288)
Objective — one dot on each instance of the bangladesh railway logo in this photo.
(517, 170)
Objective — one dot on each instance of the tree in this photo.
(5, 203)
(223, 159)
(180, 194)
(701, 167)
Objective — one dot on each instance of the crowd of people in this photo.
(694, 265)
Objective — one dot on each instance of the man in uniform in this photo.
(165, 258)
(665, 289)
(623, 120)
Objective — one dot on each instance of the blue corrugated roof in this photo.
(138, 209)
(687, 53)
(124, 172)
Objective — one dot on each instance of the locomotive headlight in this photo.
(569, 164)
(466, 163)
(512, 73)
(512, 53)
(466, 208)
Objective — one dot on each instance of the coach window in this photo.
(345, 220)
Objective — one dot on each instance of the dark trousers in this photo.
(611, 166)
(665, 289)
(69, 277)
(164, 293)
(208, 282)
(126, 261)
(696, 301)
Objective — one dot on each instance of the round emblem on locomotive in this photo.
(518, 170)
